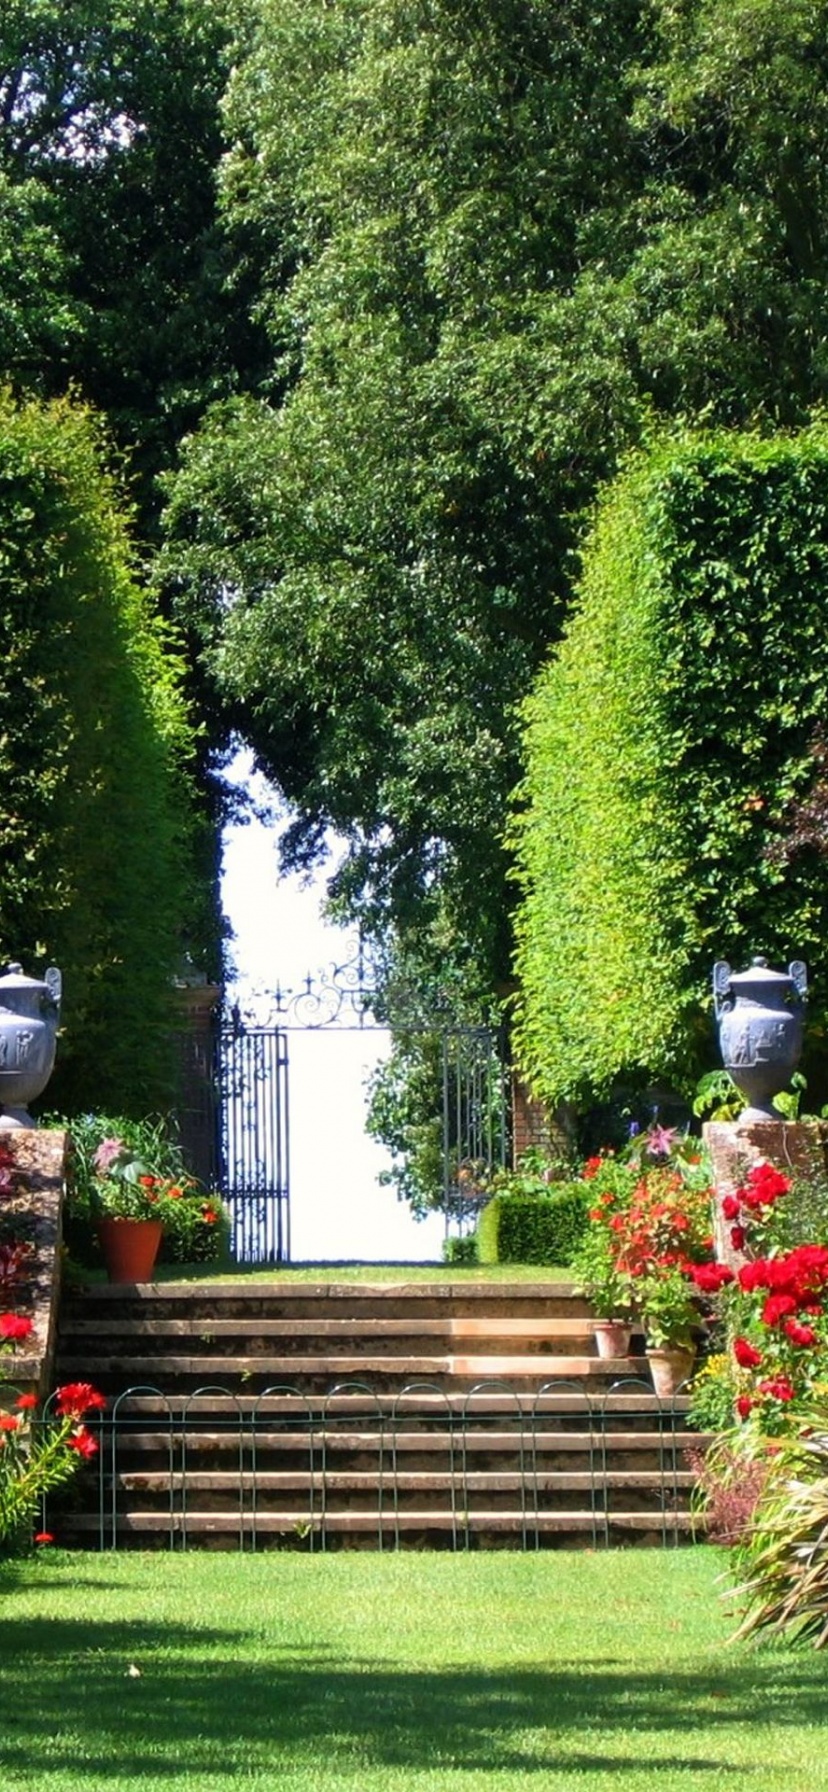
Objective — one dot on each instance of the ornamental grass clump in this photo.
(781, 1557)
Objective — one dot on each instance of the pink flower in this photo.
(107, 1154)
(660, 1140)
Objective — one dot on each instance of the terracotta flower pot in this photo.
(129, 1248)
(670, 1368)
(612, 1337)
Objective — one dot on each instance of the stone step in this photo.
(333, 1481)
(141, 1524)
(360, 1327)
(308, 1300)
(421, 1443)
(539, 1367)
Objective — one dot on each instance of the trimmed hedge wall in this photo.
(664, 743)
(517, 1228)
(95, 826)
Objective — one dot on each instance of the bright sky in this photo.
(338, 1210)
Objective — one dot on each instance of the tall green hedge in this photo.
(94, 812)
(663, 743)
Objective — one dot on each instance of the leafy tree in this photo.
(494, 243)
(113, 275)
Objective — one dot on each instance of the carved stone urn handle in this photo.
(722, 992)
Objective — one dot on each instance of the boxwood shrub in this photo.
(524, 1228)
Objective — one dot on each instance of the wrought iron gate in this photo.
(254, 1139)
(254, 1116)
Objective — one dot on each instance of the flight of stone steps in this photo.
(251, 1414)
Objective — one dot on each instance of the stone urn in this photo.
(760, 1013)
(29, 1013)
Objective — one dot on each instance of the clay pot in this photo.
(129, 1248)
(670, 1367)
(612, 1337)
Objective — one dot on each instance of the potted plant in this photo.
(670, 1313)
(131, 1202)
(609, 1287)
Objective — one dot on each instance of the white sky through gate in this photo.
(338, 1210)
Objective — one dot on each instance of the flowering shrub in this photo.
(777, 1313)
(38, 1454)
(648, 1252)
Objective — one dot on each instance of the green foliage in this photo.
(541, 1228)
(665, 743)
(196, 1224)
(462, 1251)
(490, 247)
(112, 271)
(713, 1392)
(782, 1560)
(94, 741)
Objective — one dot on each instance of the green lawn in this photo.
(576, 1672)
(371, 1272)
(349, 1272)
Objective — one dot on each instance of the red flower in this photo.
(77, 1397)
(13, 1325)
(744, 1405)
(779, 1387)
(746, 1354)
(209, 1216)
(763, 1186)
(776, 1307)
(731, 1207)
(26, 1403)
(799, 1334)
(82, 1441)
(711, 1277)
(591, 1168)
(43, 1537)
(8, 1422)
(738, 1237)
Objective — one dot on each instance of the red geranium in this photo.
(779, 1387)
(710, 1278)
(801, 1335)
(746, 1354)
(14, 1327)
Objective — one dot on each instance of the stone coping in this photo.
(40, 1158)
(245, 1289)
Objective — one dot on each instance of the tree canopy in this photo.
(114, 277)
(495, 243)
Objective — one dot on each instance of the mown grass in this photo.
(365, 1272)
(497, 1672)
